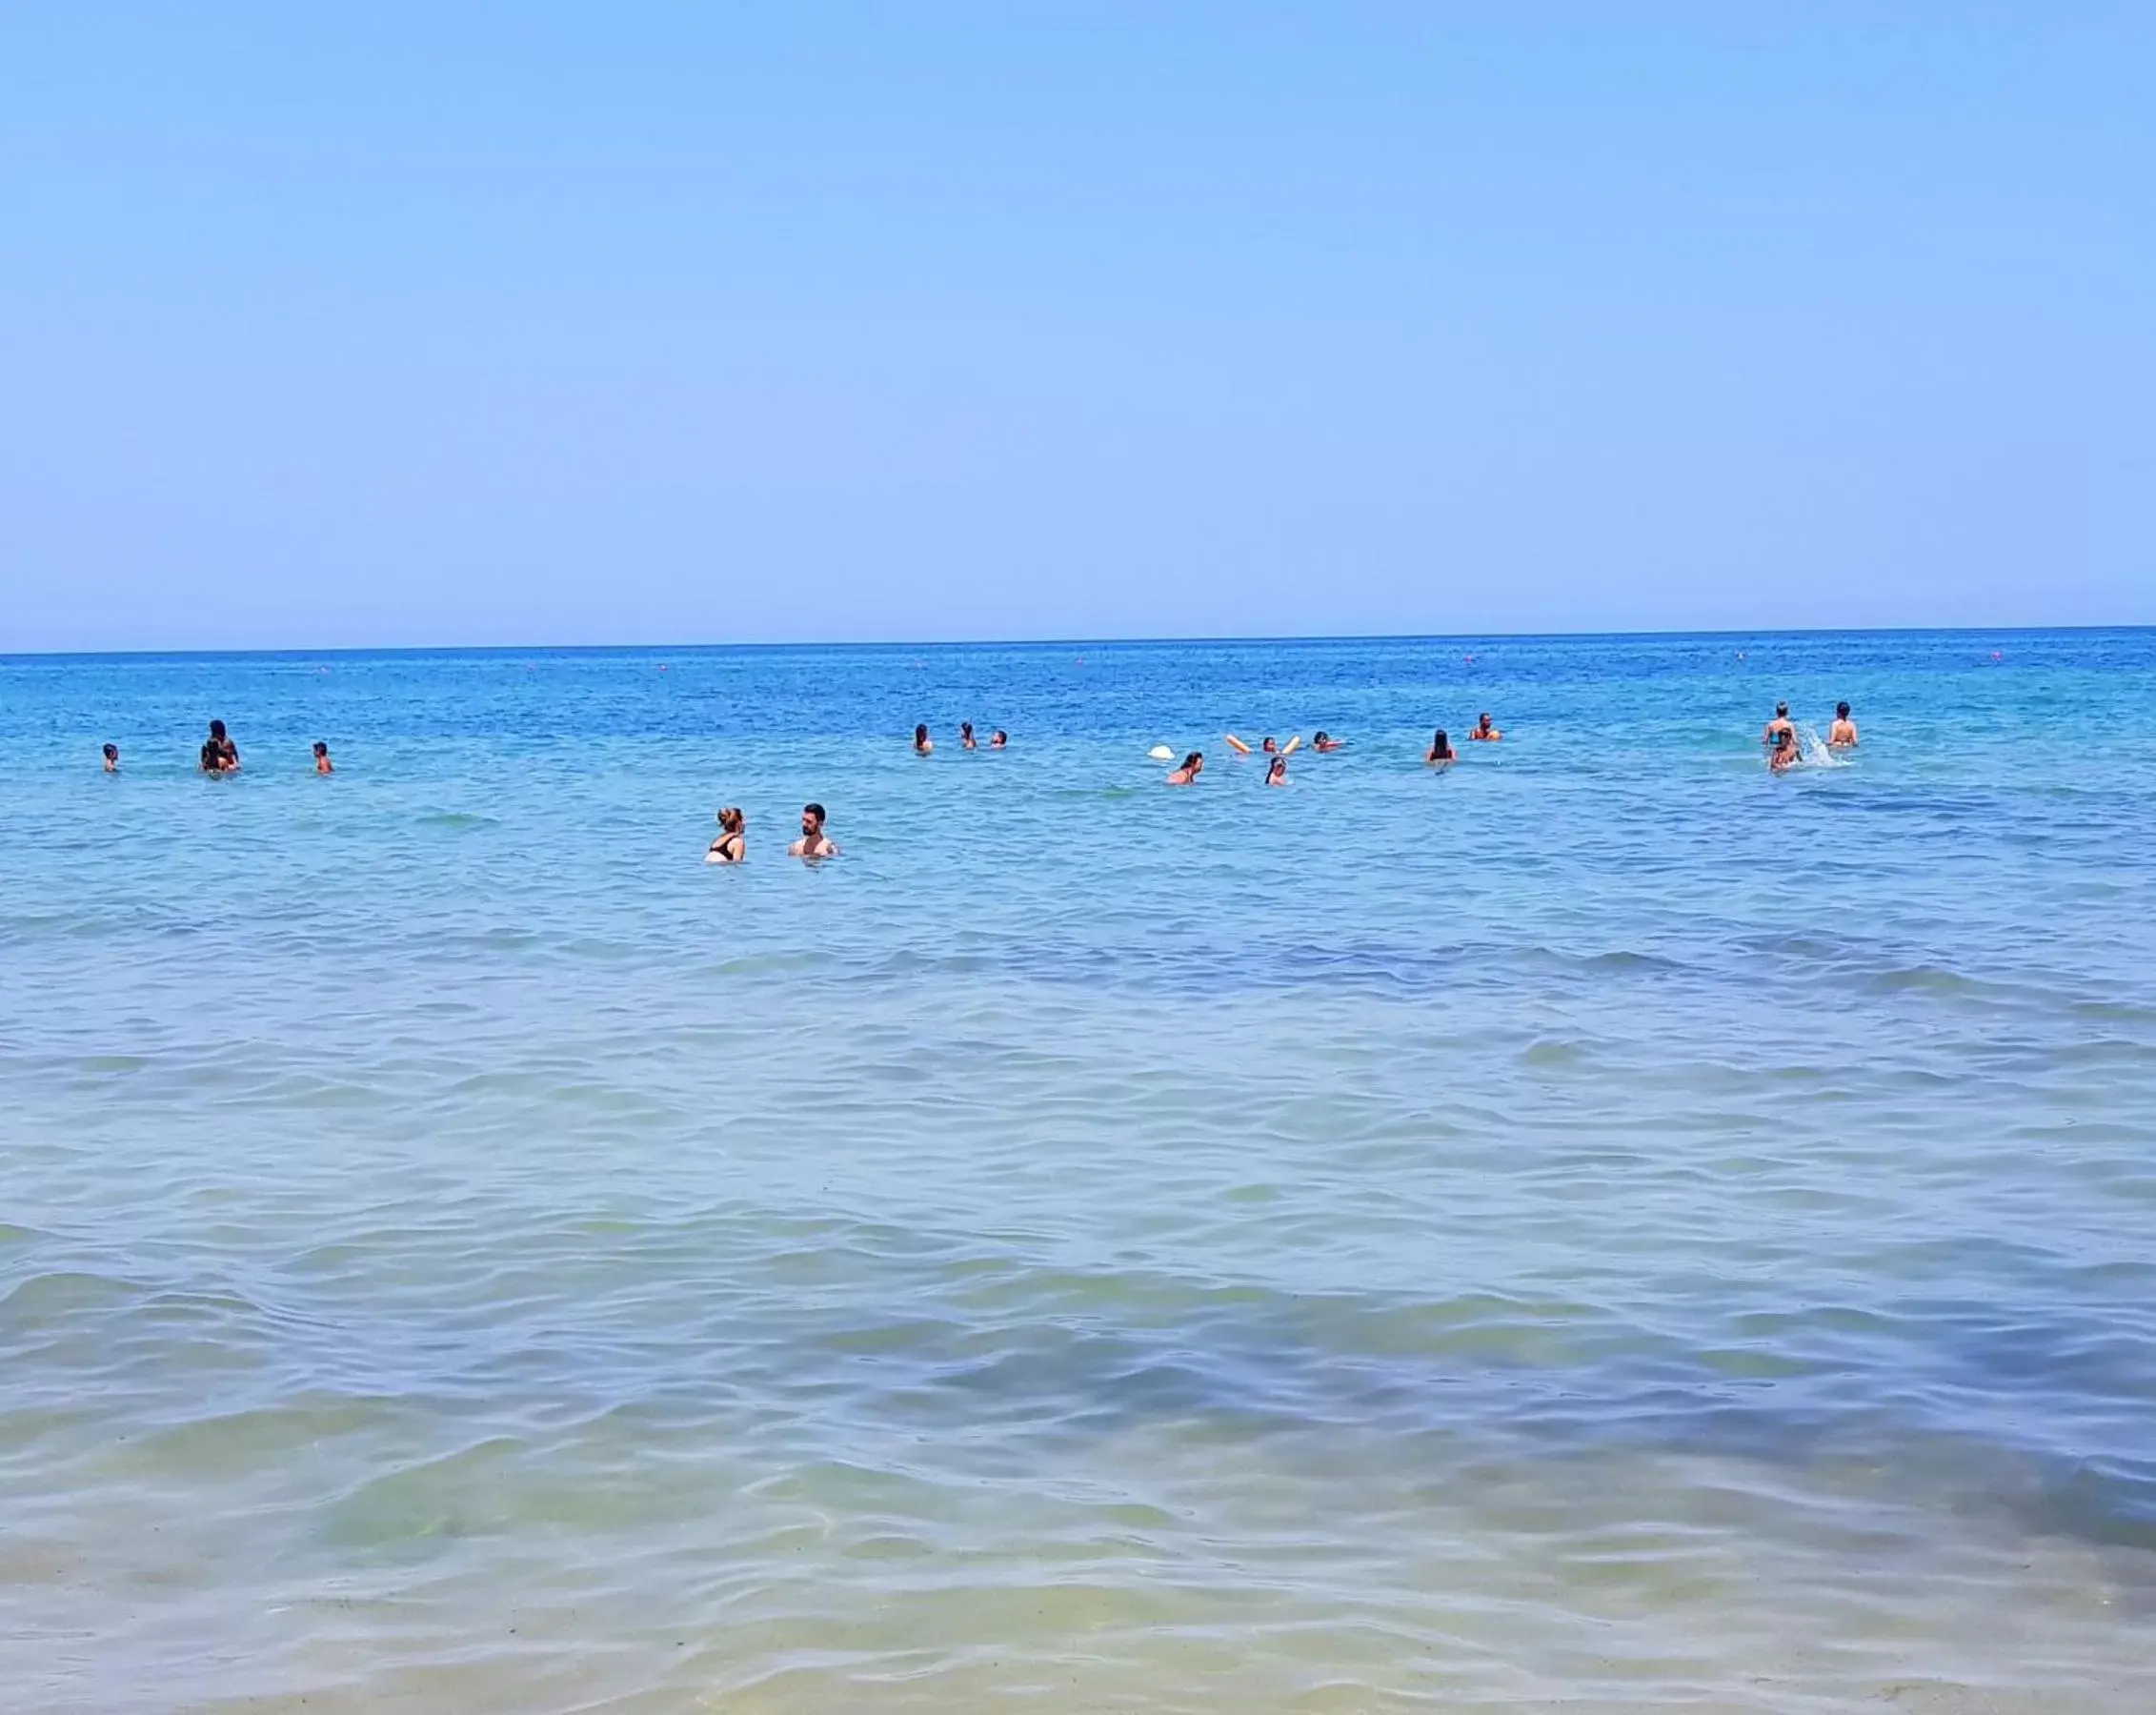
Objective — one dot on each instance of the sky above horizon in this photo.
(468, 324)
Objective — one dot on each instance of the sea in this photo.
(1598, 1228)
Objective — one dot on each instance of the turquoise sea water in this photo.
(1600, 1228)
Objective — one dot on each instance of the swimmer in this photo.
(1192, 766)
(1482, 732)
(732, 845)
(219, 754)
(1269, 747)
(1842, 734)
(998, 738)
(1779, 725)
(322, 762)
(1440, 754)
(1785, 753)
(814, 842)
(1278, 774)
(923, 744)
(1324, 741)
(965, 735)
(111, 758)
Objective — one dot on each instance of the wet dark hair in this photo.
(321, 749)
(1194, 756)
(921, 735)
(1321, 737)
(217, 729)
(1784, 739)
(729, 819)
(814, 809)
(1279, 765)
(965, 726)
(999, 732)
(111, 750)
(1841, 710)
(1439, 742)
(1780, 710)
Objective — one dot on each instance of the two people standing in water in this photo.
(732, 846)
(1784, 750)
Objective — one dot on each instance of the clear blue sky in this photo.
(440, 323)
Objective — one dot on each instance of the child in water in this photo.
(1278, 774)
(111, 758)
(322, 762)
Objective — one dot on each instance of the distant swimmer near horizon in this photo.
(1785, 753)
(1482, 732)
(1440, 754)
(923, 744)
(732, 845)
(1842, 734)
(1192, 765)
(1278, 774)
(111, 758)
(814, 842)
(322, 763)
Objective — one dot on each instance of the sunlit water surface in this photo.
(1598, 1229)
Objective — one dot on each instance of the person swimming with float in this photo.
(1440, 754)
(814, 842)
(1842, 734)
(1278, 774)
(1192, 765)
(322, 763)
(111, 758)
(732, 845)
(965, 735)
(1482, 732)
(923, 744)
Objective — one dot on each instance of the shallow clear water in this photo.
(1600, 1228)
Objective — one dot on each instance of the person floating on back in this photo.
(219, 754)
(1482, 732)
(322, 762)
(814, 842)
(111, 758)
(1842, 734)
(732, 845)
(1192, 765)
(923, 744)
(1440, 754)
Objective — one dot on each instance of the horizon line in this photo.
(1063, 643)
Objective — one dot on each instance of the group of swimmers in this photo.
(1440, 755)
(1783, 751)
(925, 746)
(220, 755)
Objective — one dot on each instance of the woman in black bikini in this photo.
(732, 845)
